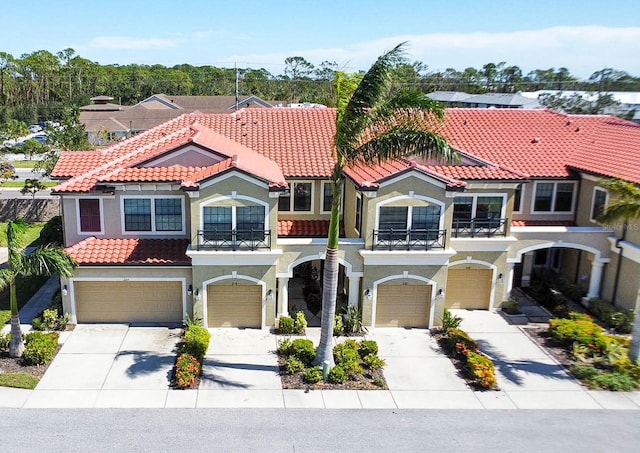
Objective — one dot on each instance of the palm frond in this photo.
(48, 260)
(6, 277)
(15, 236)
(625, 204)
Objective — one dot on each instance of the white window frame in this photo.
(428, 200)
(553, 197)
(357, 227)
(322, 211)
(522, 198)
(593, 202)
(153, 231)
(291, 200)
(474, 205)
(90, 233)
(220, 203)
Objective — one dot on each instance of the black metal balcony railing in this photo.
(409, 239)
(234, 239)
(480, 228)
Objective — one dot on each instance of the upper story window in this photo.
(89, 216)
(233, 227)
(302, 194)
(400, 219)
(518, 195)
(153, 214)
(479, 215)
(553, 197)
(598, 203)
(358, 216)
(327, 196)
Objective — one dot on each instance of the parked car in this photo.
(40, 138)
(35, 128)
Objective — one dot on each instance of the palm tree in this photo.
(374, 123)
(625, 207)
(46, 260)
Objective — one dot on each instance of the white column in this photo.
(283, 296)
(354, 290)
(595, 279)
(509, 283)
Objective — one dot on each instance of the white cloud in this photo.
(582, 49)
(129, 43)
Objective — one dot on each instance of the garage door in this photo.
(468, 288)
(403, 306)
(148, 301)
(234, 306)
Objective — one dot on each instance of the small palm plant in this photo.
(46, 260)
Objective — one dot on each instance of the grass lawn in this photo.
(24, 163)
(5, 316)
(18, 380)
(21, 184)
(31, 235)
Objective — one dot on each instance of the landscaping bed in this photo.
(26, 371)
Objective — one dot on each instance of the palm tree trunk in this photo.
(16, 347)
(330, 281)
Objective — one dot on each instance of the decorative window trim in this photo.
(593, 202)
(153, 231)
(431, 201)
(219, 202)
(358, 220)
(553, 197)
(291, 210)
(78, 225)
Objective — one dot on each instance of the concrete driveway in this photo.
(109, 365)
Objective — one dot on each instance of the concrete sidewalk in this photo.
(121, 366)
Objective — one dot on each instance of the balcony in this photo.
(418, 239)
(234, 240)
(484, 228)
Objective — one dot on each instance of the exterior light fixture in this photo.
(189, 290)
(500, 278)
(440, 294)
(197, 294)
(367, 293)
(65, 290)
(270, 294)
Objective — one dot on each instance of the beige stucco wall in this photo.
(628, 293)
(316, 212)
(113, 219)
(349, 210)
(306, 252)
(526, 204)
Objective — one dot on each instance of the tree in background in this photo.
(32, 186)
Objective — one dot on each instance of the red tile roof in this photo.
(534, 143)
(92, 251)
(304, 228)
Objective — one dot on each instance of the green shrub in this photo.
(511, 307)
(286, 325)
(618, 382)
(313, 375)
(300, 323)
(458, 342)
(4, 342)
(373, 362)
(196, 341)
(353, 321)
(626, 366)
(284, 347)
(368, 347)
(187, 371)
(378, 381)
(303, 349)
(584, 372)
(450, 321)
(5, 317)
(49, 320)
(338, 326)
(578, 327)
(293, 365)
(343, 354)
(622, 321)
(40, 348)
(618, 320)
(337, 375)
(51, 232)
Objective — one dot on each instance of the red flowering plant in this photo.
(187, 371)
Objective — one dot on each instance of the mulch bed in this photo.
(14, 365)
(539, 334)
(364, 382)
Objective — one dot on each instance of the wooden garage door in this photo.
(234, 306)
(403, 306)
(468, 288)
(148, 301)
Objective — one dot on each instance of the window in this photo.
(358, 221)
(425, 222)
(478, 214)
(397, 218)
(517, 198)
(302, 193)
(462, 210)
(153, 214)
(137, 214)
(599, 203)
(89, 215)
(327, 196)
(393, 218)
(219, 222)
(553, 197)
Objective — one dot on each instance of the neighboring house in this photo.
(224, 217)
(106, 122)
(484, 101)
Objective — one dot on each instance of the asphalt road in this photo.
(351, 431)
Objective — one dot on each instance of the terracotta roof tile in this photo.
(304, 228)
(92, 251)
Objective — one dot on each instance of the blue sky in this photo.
(582, 35)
